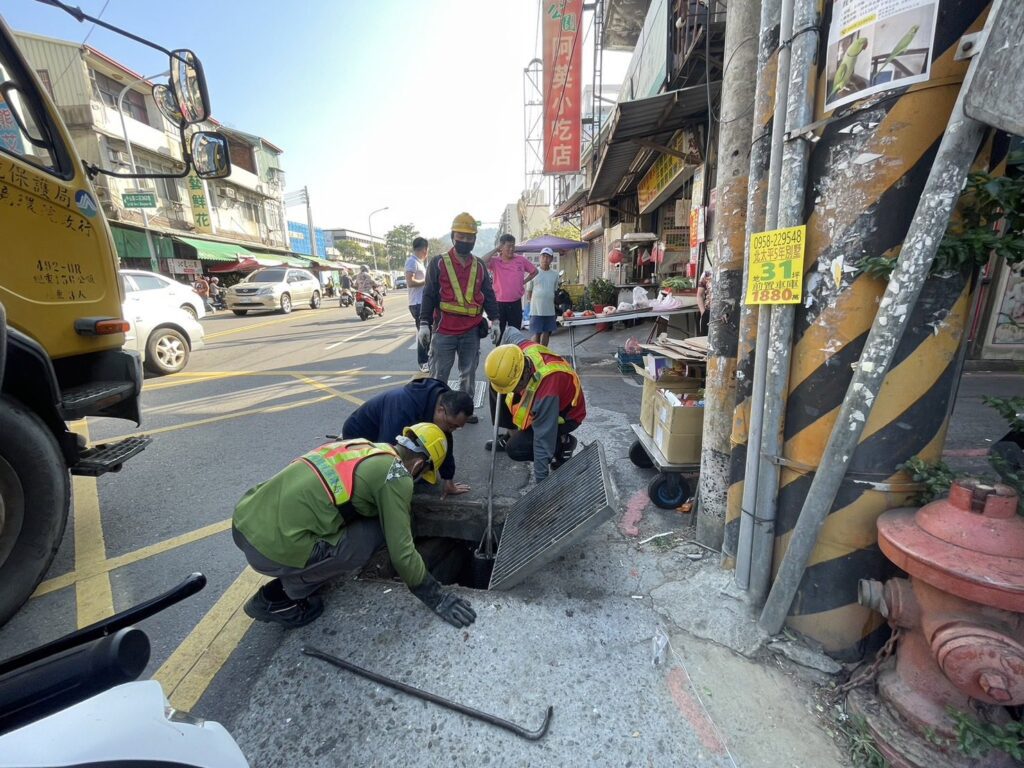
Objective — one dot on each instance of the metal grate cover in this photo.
(479, 391)
(561, 511)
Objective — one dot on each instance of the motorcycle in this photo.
(563, 301)
(368, 306)
(77, 700)
(345, 298)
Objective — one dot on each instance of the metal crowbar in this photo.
(518, 730)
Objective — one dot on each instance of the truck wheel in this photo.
(35, 495)
(166, 351)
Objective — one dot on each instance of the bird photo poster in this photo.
(876, 45)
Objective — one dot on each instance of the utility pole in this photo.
(309, 220)
(736, 118)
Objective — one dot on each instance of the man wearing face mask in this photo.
(456, 295)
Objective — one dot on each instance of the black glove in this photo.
(447, 605)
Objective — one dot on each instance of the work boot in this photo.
(269, 603)
(502, 443)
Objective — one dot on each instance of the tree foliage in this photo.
(352, 252)
(558, 229)
(398, 246)
(438, 245)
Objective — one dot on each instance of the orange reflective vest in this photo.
(464, 303)
(536, 353)
(335, 464)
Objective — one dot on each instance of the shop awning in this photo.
(211, 250)
(319, 263)
(645, 124)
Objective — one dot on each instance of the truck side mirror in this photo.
(168, 104)
(189, 86)
(209, 150)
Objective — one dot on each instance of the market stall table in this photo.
(689, 307)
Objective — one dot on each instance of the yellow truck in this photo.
(61, 324)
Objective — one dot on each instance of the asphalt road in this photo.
(264, 389)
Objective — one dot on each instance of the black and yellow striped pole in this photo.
(757, 195)
(867, 173)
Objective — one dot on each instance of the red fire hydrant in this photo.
(961, 614)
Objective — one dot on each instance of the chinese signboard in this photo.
(776, 266)
(668, 172)
(876, 45)
(563, 57)
(185, 266)
(139, 200)
(200, 205)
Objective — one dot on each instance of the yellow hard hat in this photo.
(432, 440)
(504, 367)
(464, 223)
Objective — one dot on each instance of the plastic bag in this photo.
(659, 647)
(640, 297)
(632, 346)
(624, 306)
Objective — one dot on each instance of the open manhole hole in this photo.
(554, 516)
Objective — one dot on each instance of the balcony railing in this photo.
(702, 24)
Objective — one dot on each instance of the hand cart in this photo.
(668, 489)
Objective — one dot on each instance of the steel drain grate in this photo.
(561, 511)
(479, 391)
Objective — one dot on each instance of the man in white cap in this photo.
(542, 299)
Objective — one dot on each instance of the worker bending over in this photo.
(328, 511)
(543, 402)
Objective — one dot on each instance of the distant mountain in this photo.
(486, 240)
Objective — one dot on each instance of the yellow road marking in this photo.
(224, 417)
(193, 664)
(167, 383)
(275, 321)
(93, 598)
(95, 569)
(325, 388)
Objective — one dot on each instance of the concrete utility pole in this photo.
(736, 118)
(309, 221)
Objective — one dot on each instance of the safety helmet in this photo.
(504, 367)
(364, 268)
(427, 439)
(464, 223)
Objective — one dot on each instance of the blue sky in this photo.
(412, 105)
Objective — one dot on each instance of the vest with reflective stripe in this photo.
(462, 305)
(335, 464)
(537, 353)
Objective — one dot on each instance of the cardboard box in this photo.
(678, 430)
(678, 449)
(647, 412)
(678, 419)
(668, 381)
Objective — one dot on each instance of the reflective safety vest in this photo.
(464, 303)
(535, 353)
(335, 464)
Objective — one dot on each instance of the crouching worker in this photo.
(328, 511)
(543, 402)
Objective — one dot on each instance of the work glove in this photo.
(447, 605)
(496, 334)
(423, 336)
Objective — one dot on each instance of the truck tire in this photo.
(35, 495)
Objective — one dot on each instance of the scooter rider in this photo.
(328, 511)
(543, 402)
(365, 283)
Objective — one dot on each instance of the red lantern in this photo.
(615, 257)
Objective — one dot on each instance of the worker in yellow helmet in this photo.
(543, 402)
(328, 511)
(456, 296)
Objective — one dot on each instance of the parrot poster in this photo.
(845, 69)
(900, 47)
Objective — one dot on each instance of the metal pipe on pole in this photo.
(738, 87)
(154, 265)
(799, 113)
(748, 514)
(956, 152)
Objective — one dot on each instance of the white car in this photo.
(160, 288)
(163, 335)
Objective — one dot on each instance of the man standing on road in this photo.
(422, 400)
(327, 512)
(456, 295)
(542, 299)
(510, 271)
(543, 403)
(415, 277)
(202, 288)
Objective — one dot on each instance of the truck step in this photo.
(88, 399)
(108, 457)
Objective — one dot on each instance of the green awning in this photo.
(208, 250)
(131, 244)
(323, 263)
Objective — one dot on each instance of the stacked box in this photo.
(669, 382)
(678, 430)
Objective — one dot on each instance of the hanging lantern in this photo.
(615, 257)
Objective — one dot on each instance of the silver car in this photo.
(274, 288)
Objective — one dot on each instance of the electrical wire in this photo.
(85, 39)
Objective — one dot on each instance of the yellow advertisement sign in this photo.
(200, 205)
(776, 266)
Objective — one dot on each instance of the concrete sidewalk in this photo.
(581, 635)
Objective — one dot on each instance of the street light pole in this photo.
(153, 264)
(373, 245)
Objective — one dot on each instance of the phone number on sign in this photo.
(777, 238)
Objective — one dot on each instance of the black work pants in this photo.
(510, 313)
(422, 353)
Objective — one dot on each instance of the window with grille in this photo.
(106, 89)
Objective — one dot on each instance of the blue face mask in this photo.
(463, 248)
